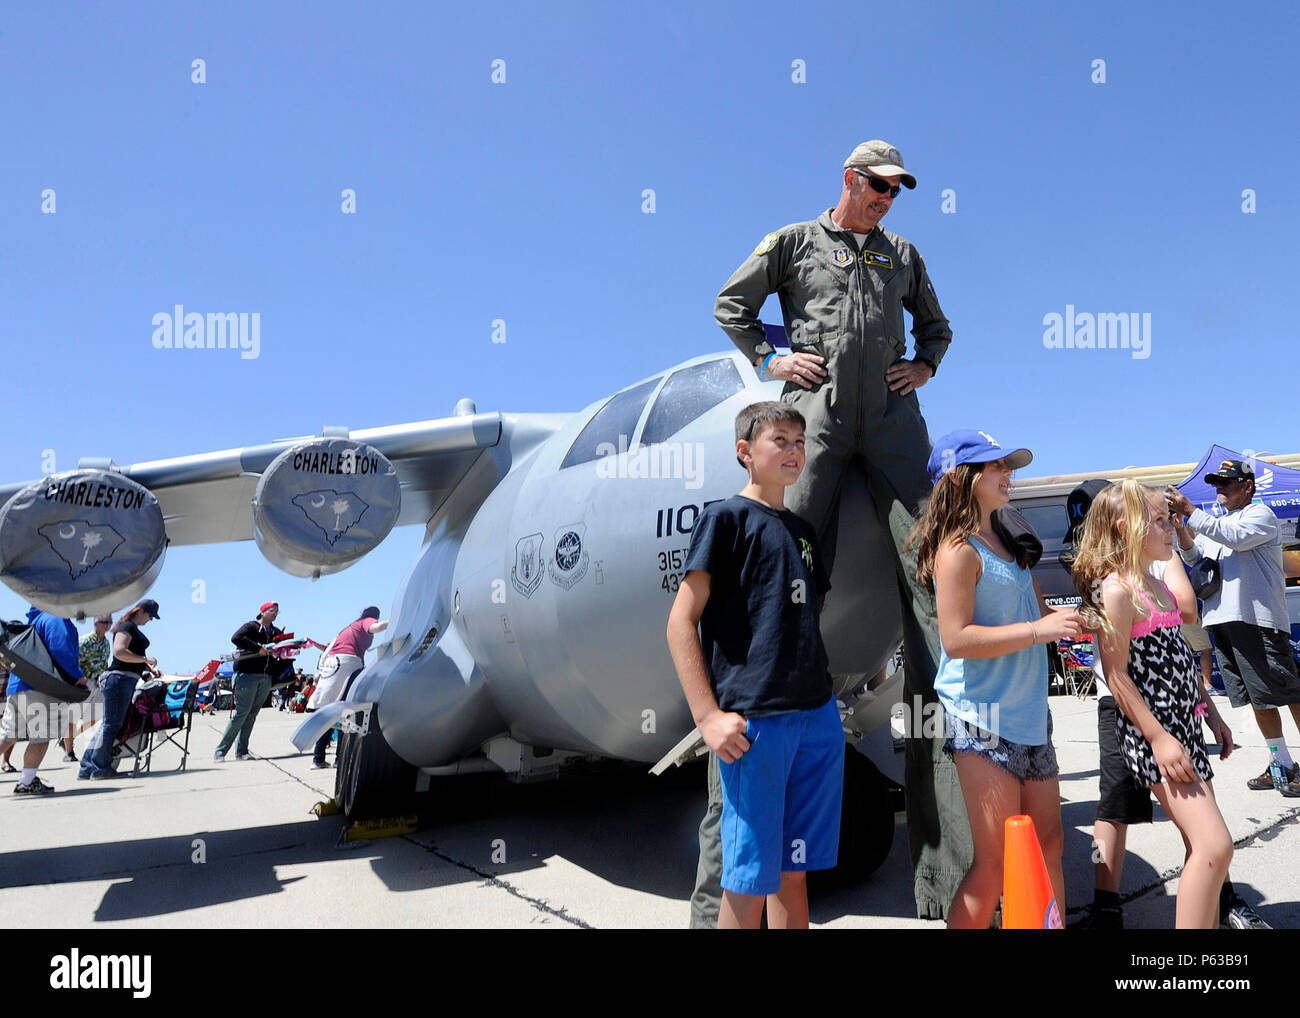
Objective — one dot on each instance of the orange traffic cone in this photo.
(1027, 899)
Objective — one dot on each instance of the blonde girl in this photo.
(1153, 676)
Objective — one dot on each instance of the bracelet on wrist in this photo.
(1033, 633)
(767, 360)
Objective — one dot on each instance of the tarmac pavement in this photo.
(236, 845)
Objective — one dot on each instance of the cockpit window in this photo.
(616, 418)
(687, 394)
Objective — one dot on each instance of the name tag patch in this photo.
(876, 258)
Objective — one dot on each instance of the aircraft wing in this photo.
(207, 498)
(93, 539)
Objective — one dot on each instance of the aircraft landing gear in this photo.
(866, 824)
(371, 781)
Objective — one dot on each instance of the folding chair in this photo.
(1079, 676)
(166, 712)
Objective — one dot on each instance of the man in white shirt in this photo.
(1247, 617)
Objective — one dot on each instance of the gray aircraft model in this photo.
(530, 631)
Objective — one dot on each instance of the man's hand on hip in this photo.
(905, 376)
(801, 368)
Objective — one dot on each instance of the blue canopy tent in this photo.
(1277, 487)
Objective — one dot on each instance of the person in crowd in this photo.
(339, 665)
(6, 765)
(93, 654)
(1247, 616)
(991, 678)
(757, 679)
(32, 716)
(253, 659)
(1122, 799)
(1152, 674)
(127, 667)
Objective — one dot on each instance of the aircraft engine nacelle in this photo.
(82, 542)
(323, 504)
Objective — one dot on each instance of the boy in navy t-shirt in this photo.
(757, 680)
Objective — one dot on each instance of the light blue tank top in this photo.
(1006, 695)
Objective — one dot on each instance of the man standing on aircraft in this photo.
(844, 284)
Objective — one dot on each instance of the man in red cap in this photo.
(252, 679)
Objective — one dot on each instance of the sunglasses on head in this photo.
(879, 184)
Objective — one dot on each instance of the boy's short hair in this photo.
(751, 421)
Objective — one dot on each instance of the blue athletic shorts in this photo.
(781, 800)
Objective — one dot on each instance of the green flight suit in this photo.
(846, 305)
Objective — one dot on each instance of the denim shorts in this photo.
(1027, 763)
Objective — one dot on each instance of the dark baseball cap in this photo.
(151, 606)
(1231, 470)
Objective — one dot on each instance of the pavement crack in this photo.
(503, 885)
(1289, 817)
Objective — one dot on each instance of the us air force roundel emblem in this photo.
(527, 573)
(570, 562)
(841, 257)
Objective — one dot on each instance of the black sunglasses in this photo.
(879, 184)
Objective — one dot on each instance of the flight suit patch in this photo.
(766, 244)
(841, 256)
(876, 258)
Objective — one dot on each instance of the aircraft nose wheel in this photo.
(866, 825)
(371, 781)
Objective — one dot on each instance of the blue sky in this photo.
(523, 201)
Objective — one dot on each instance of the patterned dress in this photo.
(1163, 668)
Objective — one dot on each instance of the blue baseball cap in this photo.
(972, 447)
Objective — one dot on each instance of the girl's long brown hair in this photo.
(951, 513)
(1106, 548)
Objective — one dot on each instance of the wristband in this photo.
(765, 361)
(1033, 633)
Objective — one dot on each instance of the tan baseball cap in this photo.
(880, 158)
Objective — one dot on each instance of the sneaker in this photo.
(219, 758)
(1264, 783)
(37, 787)
(1101, 917)
(1242, 917)
(69, 757)
(102, 775)
(243, 756)
(319, 765)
